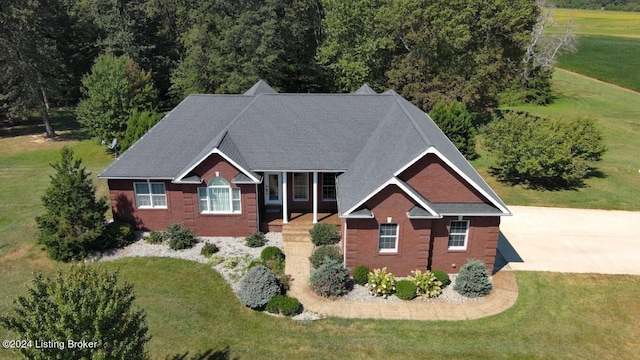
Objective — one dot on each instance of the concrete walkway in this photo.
(298, 247)
(571, 240)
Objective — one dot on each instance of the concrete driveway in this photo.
(571, 240)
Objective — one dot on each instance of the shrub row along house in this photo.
(225, 164)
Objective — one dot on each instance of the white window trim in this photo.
(150, 195)
(395, 249)
(466, 236)
(231, 199)
(306, 186)
(333, 186)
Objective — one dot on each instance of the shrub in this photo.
(330, 279)
(117, 234)
(473, 280)
(427, 283)
(455, 121)
(180, 237)
(442, 276)
(406, 290)
(216, 259)
(84, 303)
(258, 286)
(324, 234)
(156, 237)
(231, 262)
(273, 306)
(254, 263)
(271, 253)
(381, 283)
(323, 252)
(277, 266)
(542, 153)
(257, 239)
(289, 306)
(361, 274)
(209, 249)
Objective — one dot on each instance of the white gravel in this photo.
(234, 256)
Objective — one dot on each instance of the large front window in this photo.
(150, 195)
(300, 186)
(388, 238)
(219, 197)
(458, 234)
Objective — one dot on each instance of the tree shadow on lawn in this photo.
(210, 354)
(64, 124)
(548, 184)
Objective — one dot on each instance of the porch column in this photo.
(285, 210)
(315, 197)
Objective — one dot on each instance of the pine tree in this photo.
(74, 219)
(455, 121)
(86, 305)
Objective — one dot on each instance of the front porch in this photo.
(271, 219)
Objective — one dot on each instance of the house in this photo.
(223, 164)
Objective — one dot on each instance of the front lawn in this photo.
(191, 310)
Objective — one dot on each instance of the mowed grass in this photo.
(608, 45)
(616, 184)
(192, 314)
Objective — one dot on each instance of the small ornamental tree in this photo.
(85, 304)
(455, 121)
(74, 219)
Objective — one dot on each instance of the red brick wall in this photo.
(438, 183)
(182, 204)
(422, 243)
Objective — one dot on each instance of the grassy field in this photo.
(608, 45)
(193, 314)
(617, 184)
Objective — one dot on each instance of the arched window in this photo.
(219, 197)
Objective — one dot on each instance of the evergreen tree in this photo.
(455, 121)
(74, 220)
(139, 123)
(84, 305)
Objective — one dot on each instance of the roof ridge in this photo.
(413, 121)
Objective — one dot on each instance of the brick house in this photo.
(226, 165)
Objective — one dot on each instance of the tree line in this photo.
(428, 51)
(616, 5)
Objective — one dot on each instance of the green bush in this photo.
(442, 276)
(156, 237)
(455, 121)
(381, 283)
(231, 262)
(271, 253)
(330, 279)
(257, 239)
(117, 234)
(323, 252)
(180, 237)
(406, 290)
(277, 266)
(473, 280)
(209, 249)
(289, 306)
(324, 234)
(427, 283)
(258, 286)
(254, 263)
(542, 153)
(361, 274)
(273, 306)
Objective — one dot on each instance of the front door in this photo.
(273, 189)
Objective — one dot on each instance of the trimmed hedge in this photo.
(324, 234)
(406, 290)
(271, 253)
(442, 276)
(361, 274)
(321, 253)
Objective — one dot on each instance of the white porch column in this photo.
(315, 197)
(285, 210)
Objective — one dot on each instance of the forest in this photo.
(426, 51)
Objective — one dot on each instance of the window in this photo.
(219, 197)
(388, 239)
(300, 186)
(458, 233)
(329, 186)
(150, 195)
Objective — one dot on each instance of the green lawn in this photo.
(192, 311)
(617, 185)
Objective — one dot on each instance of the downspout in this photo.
(257, 209)
(344, 255)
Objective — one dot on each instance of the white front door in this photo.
(272, 189)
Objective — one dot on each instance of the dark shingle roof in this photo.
(367, 136)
